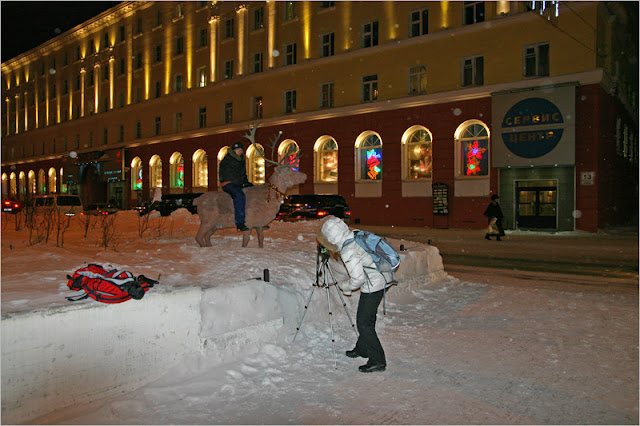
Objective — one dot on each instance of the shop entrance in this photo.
(537, 204)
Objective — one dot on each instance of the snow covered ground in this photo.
(458, 352)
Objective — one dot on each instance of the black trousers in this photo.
(239, 200)
(368, 345)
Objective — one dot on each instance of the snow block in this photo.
(81, 353)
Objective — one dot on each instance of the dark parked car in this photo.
(99, 209)
(313, 206)
(12, 206)
(170, 203)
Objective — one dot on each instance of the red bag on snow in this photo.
(108, 286)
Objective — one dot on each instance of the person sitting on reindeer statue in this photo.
(233, 177)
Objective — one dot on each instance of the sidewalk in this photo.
(613, 253)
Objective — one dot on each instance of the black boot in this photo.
(242, 227)
(370, 368)
(353, 354)
(486, 237)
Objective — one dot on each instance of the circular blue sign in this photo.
(532, 128)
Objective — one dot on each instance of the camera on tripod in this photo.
(323, 252)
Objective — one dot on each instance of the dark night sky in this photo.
(27, 24)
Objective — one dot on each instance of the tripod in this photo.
(323, 273)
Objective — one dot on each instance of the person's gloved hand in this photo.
(247, 185)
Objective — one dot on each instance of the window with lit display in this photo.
(32, 182)
(200, 169)
(136, 174)
(369, 157)
(176, 171)
(326, 152)
(23, 185)
(63, 184)
(472, 139)
(155, 172)
(12, 185)
(418, 153)
(255, 165)
(42, 189)
(288, 154)
(52, 180)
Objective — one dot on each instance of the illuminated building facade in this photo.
(415, 112)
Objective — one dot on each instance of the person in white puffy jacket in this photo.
(364, 276)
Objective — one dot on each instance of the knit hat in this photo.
(237, 145)
(495, 197)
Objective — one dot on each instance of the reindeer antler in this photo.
(251, 136)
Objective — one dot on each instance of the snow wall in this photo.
(81, 353)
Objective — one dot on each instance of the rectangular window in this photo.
(417, 80)
(156, 127)
(178, 83)
(138, 95)
(123, 67)
(92, 47)
(158, 89)
(370, 34)
(178, 122)
(138, 130)
(228, 29)
(179, 46)
(228, 69)
(370, 88)
(257, 107)
(289, 11)
(536, 60)
(138, 63)
(327, 4)
(326, 45)
(138, 26)
(105, 75)
(258, 19)
(65, 59)
(326, 95)
(290, 54)
(105, 41)
(121, 33)
(473, 12)
(65, 87)
(418, 23)
(158, 18)
(202, 117)
(105, 137)
(203, 37)
(202, 76)
(228, 112)
(91, 77)
(158, 56)
(78, 52)
(89, 141)
(121, 103)
(256, 62)
(290, 101)
(473, 71)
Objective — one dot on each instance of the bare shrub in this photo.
(62, 223)
(107, 227)
(86, 222)
(143, 224)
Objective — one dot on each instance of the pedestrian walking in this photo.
(495, 216)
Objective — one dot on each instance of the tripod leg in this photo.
(346, 311)
(304, 313)
(333, 347)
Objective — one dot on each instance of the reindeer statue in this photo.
(215, 209)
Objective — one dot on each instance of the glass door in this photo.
(537, 204)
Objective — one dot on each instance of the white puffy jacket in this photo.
(360, 266)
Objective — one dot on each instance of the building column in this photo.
(8, 102)
(112, 79)
(37, 101)
(271, 32)
(241, 12)
(26, 111)
(83, 74)
(96, 88)
(17, 112)
(213, 46)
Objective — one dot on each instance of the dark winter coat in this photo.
(494, 210)
(232, 169)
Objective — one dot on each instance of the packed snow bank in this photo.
(56, 354)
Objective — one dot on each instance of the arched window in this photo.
(326, 159)
(472, 149)
(42, 189)
(136, 174)
(33, 187)
(200, 169)
(63, 183)
(256, 165)
(221, 154)
(5, 185)
(52, 180)
(417, 154)
(155, 172)
(176, 171)
(369, 157)
(13, 181)
(288, 154)
(22, 185)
